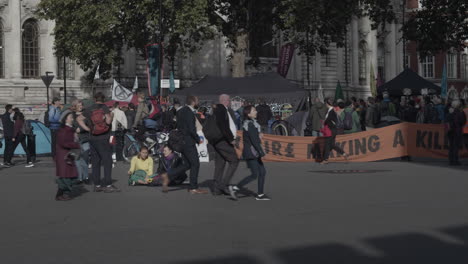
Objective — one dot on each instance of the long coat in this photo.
(65, 142)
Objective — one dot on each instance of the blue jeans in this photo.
(258, 171)
(82, 163)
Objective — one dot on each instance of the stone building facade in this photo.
(26, 53)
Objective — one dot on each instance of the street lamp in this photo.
(47, 79)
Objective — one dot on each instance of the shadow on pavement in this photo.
(407, 248)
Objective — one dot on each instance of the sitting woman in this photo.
(171, 170)
(141, 168)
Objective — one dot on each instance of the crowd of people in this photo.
(331, 118)
(92, 137)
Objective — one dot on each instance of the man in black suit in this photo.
(186, 124)
(225, 151)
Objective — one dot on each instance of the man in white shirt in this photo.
(225, 151)
(119, 126)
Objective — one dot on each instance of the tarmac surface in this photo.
(388, 212)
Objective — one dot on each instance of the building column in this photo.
(13, 42)
(391, 42)
(354, 53)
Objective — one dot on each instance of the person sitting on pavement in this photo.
(141, 168)
(171, 169)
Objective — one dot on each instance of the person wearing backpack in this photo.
(351, 119)
(225, 151)
(19, 136)
(100, 120)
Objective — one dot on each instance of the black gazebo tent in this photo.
(411, 80)
(270, 87)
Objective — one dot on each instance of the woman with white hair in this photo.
(456, 119)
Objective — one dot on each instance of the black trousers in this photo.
(9, 150)
(53, 137)
(257, 168)
(21, 139)
(31, 142)
(455, 142)
(190, 153)
(101, 155)
(119, 144)
(225, 153)
(330, 144)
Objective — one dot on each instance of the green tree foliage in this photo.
(439, 26)
(314, 24)
(92, 32)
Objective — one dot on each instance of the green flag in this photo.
(373, 84)
(172, 83)
(339, 92)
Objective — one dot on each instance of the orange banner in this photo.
(405, 139)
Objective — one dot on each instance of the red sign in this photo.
(286, 54)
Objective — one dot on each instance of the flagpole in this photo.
(160, 48)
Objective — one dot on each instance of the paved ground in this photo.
(393, 213)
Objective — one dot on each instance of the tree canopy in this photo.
(439, 25)
(93, 32)
(314, 25)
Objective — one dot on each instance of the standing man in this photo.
(8, 130)
(186, 124)
(264, 116)
(55, 111)
(119, 126)
(225, 151)
(100, 120)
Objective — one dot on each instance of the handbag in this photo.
(325, 130)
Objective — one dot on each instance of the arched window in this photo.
(30, 49)
(363, 63)
(2, 52)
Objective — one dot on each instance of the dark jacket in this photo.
(8, 125)
(252, 142)
(130, 114)
(264, 114)
(18, 131)
(175, 168)
(222, 120)
(317, 115)
(65, 143)
(331, 121)
(456, 122)
(186, 124)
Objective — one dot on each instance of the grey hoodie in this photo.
(317, 114)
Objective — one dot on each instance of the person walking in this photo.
(225, 151)
(66, 171)
(331, 119)
(8, 130)
(186, 125)
(100, 119)
(19, 135)
(54, 114)
(252, 153)
(456, 119)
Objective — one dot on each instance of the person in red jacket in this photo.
(19, 137)
(66, 171)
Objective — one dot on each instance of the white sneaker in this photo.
(29, 165)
